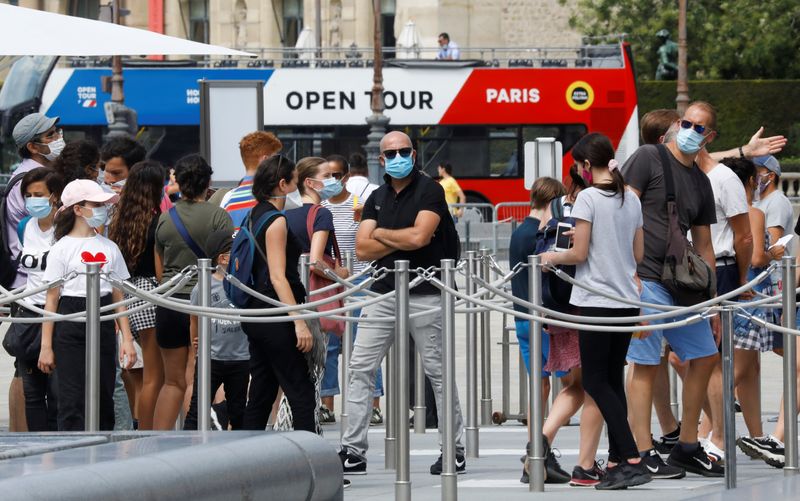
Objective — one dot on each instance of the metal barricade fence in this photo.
(474, 224)
(507, 215)
(483, 295)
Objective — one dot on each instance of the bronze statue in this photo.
(667, 57)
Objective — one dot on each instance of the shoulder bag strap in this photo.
(666, 166)
(176, 219)
(262, 221)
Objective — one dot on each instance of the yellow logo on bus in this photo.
(580, 96)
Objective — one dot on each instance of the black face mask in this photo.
(577, 179)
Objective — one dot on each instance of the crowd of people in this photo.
(69, 204)
(724, 211)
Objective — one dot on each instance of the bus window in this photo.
(503, 144)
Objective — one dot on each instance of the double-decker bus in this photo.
(475, 114)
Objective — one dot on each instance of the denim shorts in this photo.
(523, 327)
(688, 342)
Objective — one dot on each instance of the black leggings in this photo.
(602, 362)
(41, 403)
(276, 362)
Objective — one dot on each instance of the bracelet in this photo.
(741, 152)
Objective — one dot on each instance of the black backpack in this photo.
(8, 262)
(452, 243)
(555, 291)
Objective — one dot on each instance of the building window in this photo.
(388, 9)
(292, 21)
(198, 20)
(90, 9)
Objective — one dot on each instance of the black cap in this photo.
(218, 242)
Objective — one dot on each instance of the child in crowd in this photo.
(64, 343)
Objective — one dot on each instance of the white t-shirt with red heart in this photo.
(71, 254)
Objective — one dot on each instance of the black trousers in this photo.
(69, 347)
(41, 400)
(276, 362)
(234, 375)
(603, 361)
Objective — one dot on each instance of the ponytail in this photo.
(63, 222)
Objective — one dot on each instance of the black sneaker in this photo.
(624, 475)
(767, 448)
(345, 483)
(554, 474)
(326, 416)
(667, 442)
(696, 461)
(657, 468)
(352, 464)
(586, 478)
(461, 465)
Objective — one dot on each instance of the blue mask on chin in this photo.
(689, 141)
(399, 167)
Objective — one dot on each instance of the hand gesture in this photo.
(759, 146)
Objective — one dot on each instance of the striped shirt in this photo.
(346, 229)
(238, 202)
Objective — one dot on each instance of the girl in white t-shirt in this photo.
(64, 343)
(41, 189)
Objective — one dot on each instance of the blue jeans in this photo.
(330, 378)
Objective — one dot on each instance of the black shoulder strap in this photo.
(557, 209)
(184, 233)
(669, 183)
(12, 182)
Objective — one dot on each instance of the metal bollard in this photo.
(305, 269)
(486, 348)
(91, 405)
(536, 454)
(347, 350)
(789, 368)
(449, 478)
(674, 401)
(402, 484)
(472, 362)
(204, 270)
(419, 394)
(728, 412)
(389, 419)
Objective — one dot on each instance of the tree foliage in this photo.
(727, 39)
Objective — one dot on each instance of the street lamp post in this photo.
(117, 114)
(377, 121)
(682, 99)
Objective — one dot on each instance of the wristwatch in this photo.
(741, 152)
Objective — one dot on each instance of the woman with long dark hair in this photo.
(134, 232)
(608, 243)
(277, 350)
(180, 236)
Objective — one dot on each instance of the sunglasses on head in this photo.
(404, 152)
(686, 124)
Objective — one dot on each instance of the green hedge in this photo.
(742, 106)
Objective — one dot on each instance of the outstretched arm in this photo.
(757, 146)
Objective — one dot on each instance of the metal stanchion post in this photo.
(523, 389)
(486, 348)
(305, 269)
(347, 350)
(92, 391)
(674, 402)
(449, 483)
(789, 368)
(419, 394)
(402, 484)
(728, 413)
(204, 270)
(536, 454)
(505, 377)
(390, 381)
(472, 361)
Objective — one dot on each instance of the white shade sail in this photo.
(30, 32)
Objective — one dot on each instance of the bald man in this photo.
(401, 221)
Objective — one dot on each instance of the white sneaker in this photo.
(713, 452)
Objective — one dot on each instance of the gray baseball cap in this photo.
(31, 126)
(769, 162)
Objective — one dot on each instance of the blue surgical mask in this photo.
(399, 167)
(690, 141)
(330, 188)
(99, 217)
(38, 207)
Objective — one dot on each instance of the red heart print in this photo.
(88, 257)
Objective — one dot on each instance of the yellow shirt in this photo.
(451, 189)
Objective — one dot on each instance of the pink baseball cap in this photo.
(87, 190)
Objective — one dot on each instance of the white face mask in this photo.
(56, 147)
(293, 200)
